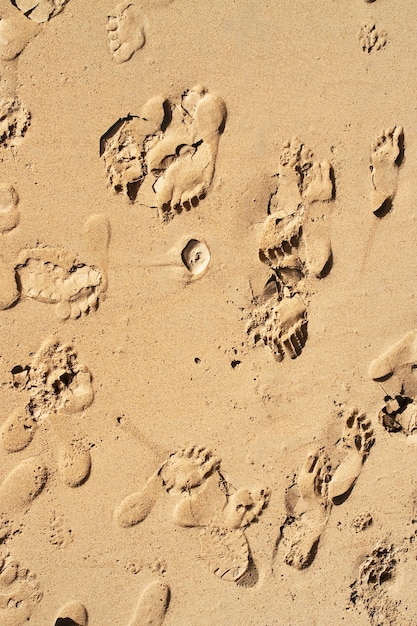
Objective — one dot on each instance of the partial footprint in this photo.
(14, 121)
(196, 257)
(19, 593)
(40, 11)
(126, 27)
(188, 469)
(72, 614)
(395, 369)
(386, 158)
(225, 551)
(152, 606)
(16, 31)
(9, 213)
(371, 37)
(18, 490)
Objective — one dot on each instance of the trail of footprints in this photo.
(172, 147)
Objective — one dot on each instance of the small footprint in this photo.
(19, 593)
(72, 614)
(196, 257)
(371, 37)
(386, 158)
(152, 605)
(14, 121)
(126, 27)
(60, 534)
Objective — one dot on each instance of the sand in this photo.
(207, 312)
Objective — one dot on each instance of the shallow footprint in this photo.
(386, 157)
(9, 213)
(126, 27)
(396, 367)
(152, 606)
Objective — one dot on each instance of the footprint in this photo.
(9, 213)
(74, 462)
(54, 276)
(40, 11)
(280, 324)
(371, 37)
(188, 469)
(123, 147)
(191, 165)
(395, 368)
(14, 120)
(152, 606)
(226, 552)
(126, 27)
(19, 593)
(72, 614)
(18, 490)
(305, 523)
(60, 534)
(196, 257)
(386, 158)
(357, 441)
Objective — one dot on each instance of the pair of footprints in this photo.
(203, 499)
(295, 240)
(324, 480)
(175, 143)
(54, 275)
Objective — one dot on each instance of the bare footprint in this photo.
(281, 325)
(357, 441)
(9, 213)
(152, 606)
(187, 469)
(126, 27)
(19, 593)
(294, 159)
(72, 614)
(306, 522)
(386, 156)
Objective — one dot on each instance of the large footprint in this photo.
(386, 154)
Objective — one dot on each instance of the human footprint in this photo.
(19, 593)
(55, 276)
(40, 11)
(152, 605)
(294, 160)
(396, 367)
(357, 441)
(126, 31)
(124, 145)
(386, 157)
(306, 521)
(184, 160)
(59, 388)
(280, 324)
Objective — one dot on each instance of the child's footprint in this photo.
(126, 27)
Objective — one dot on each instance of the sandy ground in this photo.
(207, 243)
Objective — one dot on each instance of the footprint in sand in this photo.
(72, 614)
(295, 244)
(395, 371)
(18, 490)
(203, 499)
(371, 37)
(9, 213)
(19, 593)
(152, 605)
(54, 276)
(59, 389)
(386, 157)
(320, 487)
(40, 11)
(175, 143)
(126, 27)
